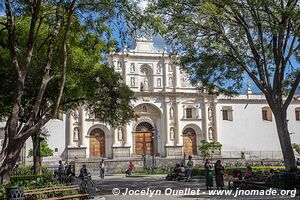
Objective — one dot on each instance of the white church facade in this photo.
(173, 116)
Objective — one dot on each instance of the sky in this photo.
(159, 43)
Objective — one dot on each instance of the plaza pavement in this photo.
(158, 183)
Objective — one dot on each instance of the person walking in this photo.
(208, 174)
(102, 169)
(189, 165)
(130, 169)
(219, 172)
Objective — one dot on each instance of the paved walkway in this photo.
(156, 187)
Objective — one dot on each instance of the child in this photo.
(130, 169)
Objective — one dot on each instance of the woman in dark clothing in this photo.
(219, 173)
(208, 174)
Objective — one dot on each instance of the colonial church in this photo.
(174, 116)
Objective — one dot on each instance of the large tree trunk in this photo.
(284, 138)
(36, 153)
(11, 155)
(15, 138)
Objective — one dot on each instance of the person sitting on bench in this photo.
(249, 173)
(83, 172)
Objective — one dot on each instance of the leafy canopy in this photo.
(89, 79)
(206, 148)
(45, 150)
(221, 40)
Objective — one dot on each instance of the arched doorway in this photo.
(189, 142)
(144, 139)
(97, 143)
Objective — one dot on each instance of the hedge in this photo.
(230, 170)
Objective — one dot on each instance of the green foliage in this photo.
(26, 170)
(229, 170)
(206, 148)
(32, 181)
(221, 40)
(2, 192)
(45, 150)
(90, 39)
(296, 147)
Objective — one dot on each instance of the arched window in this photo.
(266, 114)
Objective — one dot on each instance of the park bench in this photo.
(56, 193)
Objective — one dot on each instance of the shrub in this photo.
(26, 170)
(32, 181)
(230, 170)
(206, 148)
(2, 192)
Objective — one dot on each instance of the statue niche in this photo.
(76, 134)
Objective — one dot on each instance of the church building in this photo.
(173, 116)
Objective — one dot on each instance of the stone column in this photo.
(71, 127)
(165, 70)
(210, 111)
(124, 69)
(215, 114)
(198, 110)
(115, 134)
(81, 126)
(179, 138)
(205, 119)
(127, 135)
(177, 76)
(167, 122)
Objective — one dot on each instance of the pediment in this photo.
(144, 44)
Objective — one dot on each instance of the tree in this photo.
(207, 148)
(45, 150)
(52, 59)
(222, 40)
(296, 147)
(40, 149)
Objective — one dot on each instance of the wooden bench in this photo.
(55, 193)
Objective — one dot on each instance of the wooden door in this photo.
(189, 144)
(97, 143)
(143, 143)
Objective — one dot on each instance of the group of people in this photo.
(64, 169)
(219, 174)
(102, 166)
(180, 171)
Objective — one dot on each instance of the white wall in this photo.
(56, 139)
(248, 132)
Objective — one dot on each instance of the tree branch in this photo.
(65, 58)
(13, 118)
(254, 51)
(292, 91)
(257, 20)
(46, 77)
